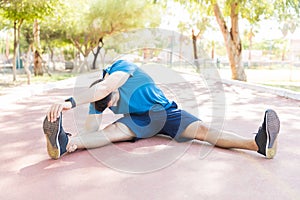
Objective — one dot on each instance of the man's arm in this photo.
(102, 89)
(97, 92)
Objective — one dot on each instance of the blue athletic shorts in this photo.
(171, 122)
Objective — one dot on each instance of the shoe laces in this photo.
(259, 130)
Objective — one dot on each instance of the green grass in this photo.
(52, 78)
(6, 79)
(288, 87)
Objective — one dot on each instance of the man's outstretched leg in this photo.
(116, 132)
(59, 142)
(265, 141)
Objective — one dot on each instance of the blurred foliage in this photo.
(82, 23)
(63, 22)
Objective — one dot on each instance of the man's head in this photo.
(101, 104)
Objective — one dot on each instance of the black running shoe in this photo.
(266, 138)
(57, 138)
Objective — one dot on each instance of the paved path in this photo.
(200, 172)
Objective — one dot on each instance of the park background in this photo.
(49, 39)
(45, 41)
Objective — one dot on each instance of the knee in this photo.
(202, 131)
(118, 132)
(196, 130)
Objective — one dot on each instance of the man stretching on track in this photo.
(126, 89)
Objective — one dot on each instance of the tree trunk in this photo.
(15, 52)
(82, 65)
(26, 61)
(7, 48)
(232, 41)
(95, 57)
(99, 47)
(194, 39)
(17, 27)
(38, 62)
(51, 57)
(283, 55)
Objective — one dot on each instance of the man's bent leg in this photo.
(116, 132)
(224, 139)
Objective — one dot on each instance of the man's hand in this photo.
(56, 109)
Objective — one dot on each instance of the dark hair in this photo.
(101, 104)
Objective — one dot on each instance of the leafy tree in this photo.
(248, 35)
(197, 24)
(53, 32)
(18, 11)
(88, 23)
(253, 11)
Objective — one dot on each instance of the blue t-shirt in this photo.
(138, 94)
